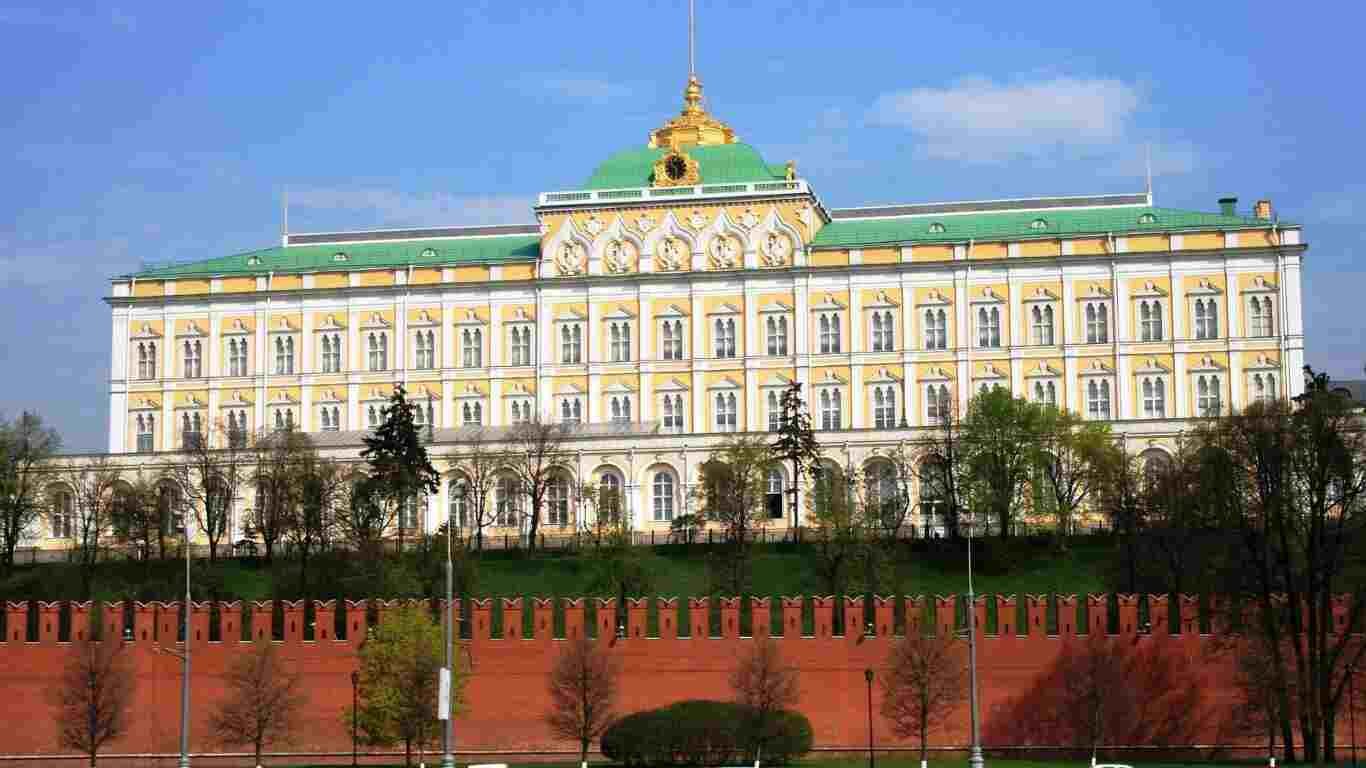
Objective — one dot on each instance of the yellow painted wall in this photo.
(425, 276)
(988, 251)
(191, 287)
(829, 258)
(1258, 238)
(473, 274)
(1249, 281)
(329, 318)
(509, 313)
(1148, 243)
(1089, 246)
(331, 280)
(881, 255)
(932, 253)
(146, 288)
(519, 272)
(1036, 248)
(287, 282)
(239, 284)
(1202, 241)
(374, 278)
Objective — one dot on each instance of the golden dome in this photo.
(693, 125)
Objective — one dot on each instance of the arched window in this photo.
(458, 503)
(725, 412)
(1206, 319)
(933, 502)
(673, 413)
(883, 335)
(506, 502)
(372, 417)
(831, 409)
(662, 495)
(521, 345)
(146, 431)
(775, 412)
(557, 501)
(1097, 323)
(1154, 398)
(936, 329)
(830, 333)
(63, 512)
(884, 496)
(1207, 395)
(773, 494)
(1259, 316)
(609, 498)
(724, 342)
(193, 360)
(937, 404)
(1150, 321)
(777, 335)
(884, 407)
(989, 327)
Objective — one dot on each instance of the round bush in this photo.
(701, 732)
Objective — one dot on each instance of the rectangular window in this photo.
(1150, 320)
(1259, 316)
(828, 330)
(472, 348)
(1206, 319)
(1097, 323)
(882, 331)
(378, 346)
(989, 327)
(519, 338)
(723, 332)
(831, 409)
(1154, 393)
(329, 346)
(936, 329)
(726, 420)
(1041, 318)
(776, 327)
(571, 344)
(884, 407)
(671, 340)
(284, 355)
(620, 342)
(672, 408)
(1098, 400)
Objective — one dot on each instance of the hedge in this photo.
(701, 732)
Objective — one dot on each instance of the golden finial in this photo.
(693, 125)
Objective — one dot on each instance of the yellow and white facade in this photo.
(672, 297)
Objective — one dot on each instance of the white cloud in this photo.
(62, 260)
(978, 120)
(388, 207)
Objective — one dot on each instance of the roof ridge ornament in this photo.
(693, 125)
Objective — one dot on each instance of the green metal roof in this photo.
(1022, 224)
(382, 255)
(719, 164)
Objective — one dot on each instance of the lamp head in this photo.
(868, 675)
(355, 678)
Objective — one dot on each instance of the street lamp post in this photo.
(355, 714)
(868, 677)
(975, 755)
(448, 733)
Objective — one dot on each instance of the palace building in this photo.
(675, 293)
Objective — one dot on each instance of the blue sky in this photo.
(168, 130)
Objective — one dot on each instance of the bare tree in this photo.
(136, 517)
(839, 531)
(1072, 462)
(583, 693)
(732, 492)
(366, 515)
(278, 458)
(95, 693)
(210, 478)
(923, 684)
(322, 490)
(943, 473)
(537, 458)
(765, 685)
(25, 445)
(477, 468)
(93, 484)
(262, 703)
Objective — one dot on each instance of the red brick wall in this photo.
(506, 691)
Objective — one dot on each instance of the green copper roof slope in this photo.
(389, 255)
(1022, 225)
(719, 164)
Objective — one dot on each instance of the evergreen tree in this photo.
(796, 443)
(399, 466)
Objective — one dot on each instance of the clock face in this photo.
(676, 167)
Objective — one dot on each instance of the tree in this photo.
(839, 530)
(210, 473)
(765, 685)
(538, 459)
(95, 693)
(399, 672)
(943, 473)
(1001, 437)
(1299, 507)
(734, 484)
(796, 443)
(1122, 500)
(399, 468)
(1255, 679)
(583, 693)
(925, 680)
(278, 458)
(94, 486)
(366, 515)
(322, 491)
(25, 446)
(262, 703)
(476, 467)
(136, 516)
(1073, 459)
(618, 566)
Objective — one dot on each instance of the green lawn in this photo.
(1019, 567)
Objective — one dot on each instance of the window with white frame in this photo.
(571, 410)
(773, 494)
(1264, 388)
(775, 411)
(1098, 400)
(620, 407)
(147, 359)
(775, 326)
(726, 410)
(557, 501)
(329, 418)
(619, 344)
(472, 347)
(662, 495)
(519, 345)
(146, 432)
(408, 513)
(191, 430)
(723, 337)
(423, 413)
(1259, 316)
(671, 406)
(237, 357)
(883, 331)
(63, 513)
(193, 360)
(284, 419)
(237, 428)
(1206, 319)
(989, 327)
(458, 505)
(330, 347)
(828, 332)
(1046, 393)
(937, 403)
(1041, 323)
(671, 339)
(507, 502)
(424, 350)
(374, 416)
(1153, 390)
(1150, 320)
(284, 355)
(377, 344)
(609, 497)
(1097, 322)
(1207, 395)
(884, 406)
(936, 329)
(519, 410)
(472, 413)
(571, 343)
(831, 407)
